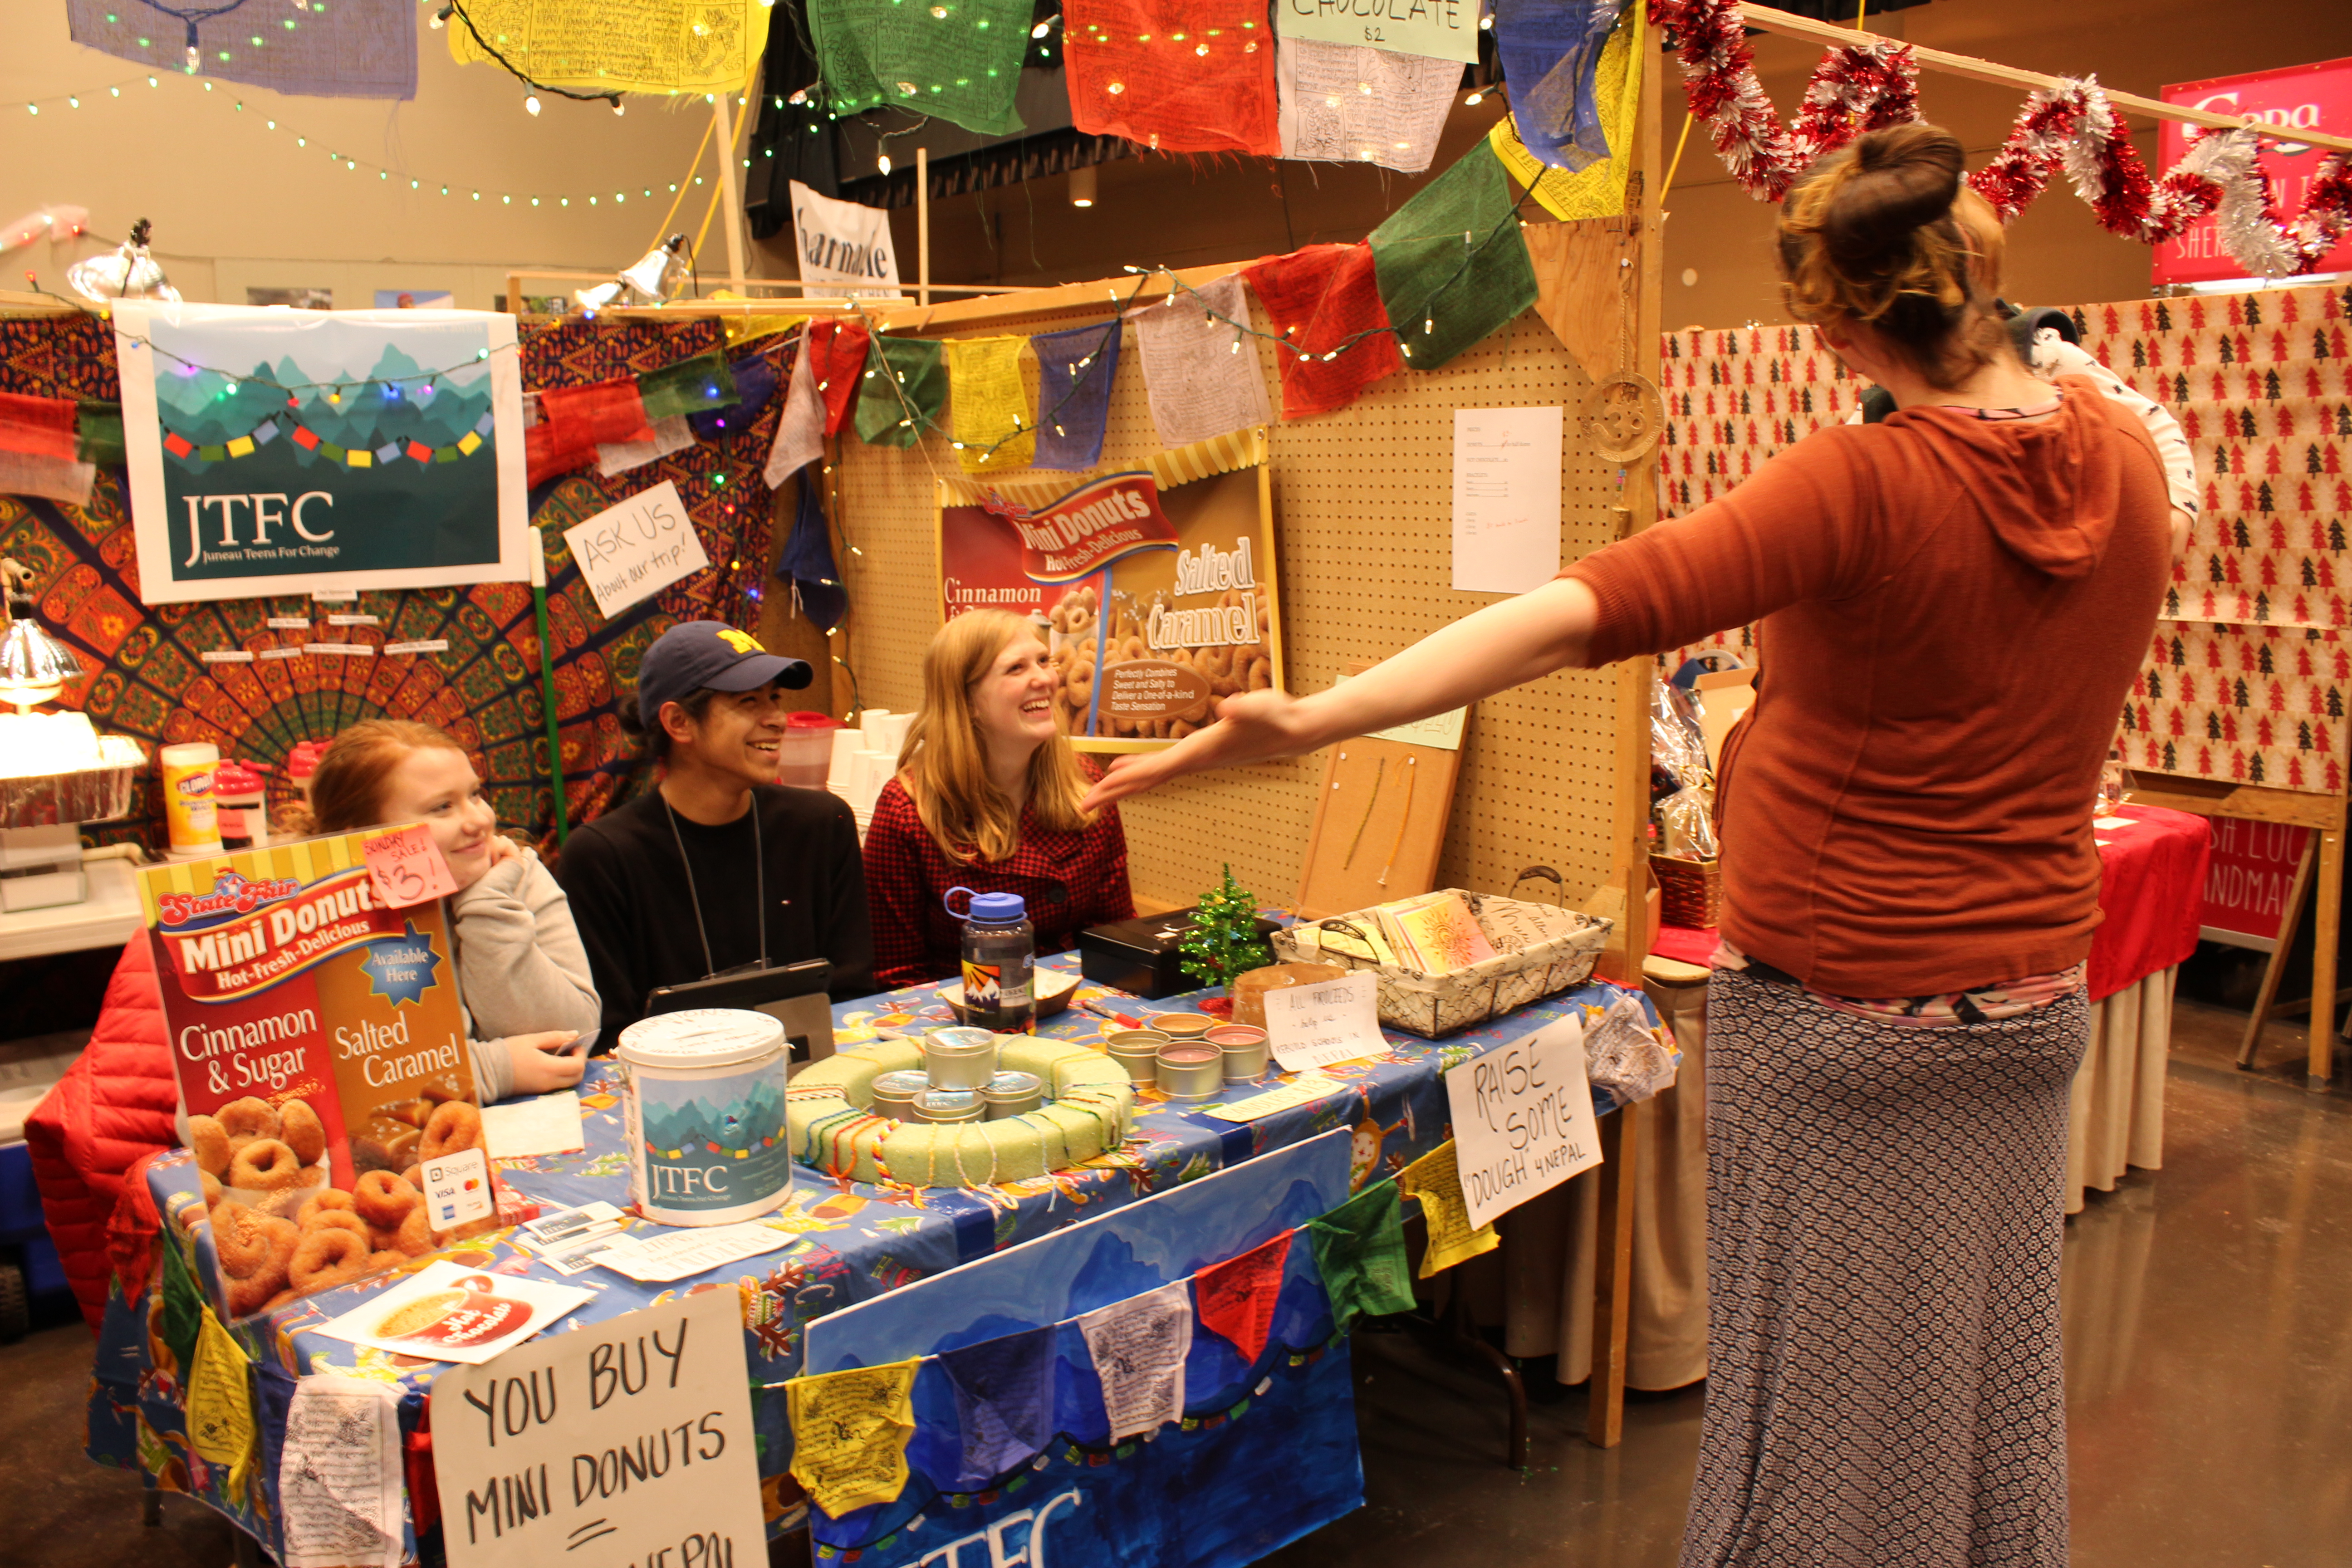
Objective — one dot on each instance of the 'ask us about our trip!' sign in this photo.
(283, 451)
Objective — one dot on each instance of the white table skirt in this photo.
(2116, 1118)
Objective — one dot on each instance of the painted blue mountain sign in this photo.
(285, 451)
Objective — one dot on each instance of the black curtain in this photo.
(790, 141)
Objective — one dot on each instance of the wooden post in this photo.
(1612, 1277)
(2267, 996)
(730, 194)
(2322, 1022)
(923, 226)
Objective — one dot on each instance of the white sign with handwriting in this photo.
(1331, 1021)
(1523, 1119)
(623, 1442)
(1444, 29)
(634, 550)
(1506, 476)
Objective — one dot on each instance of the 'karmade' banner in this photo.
(1155, 591)
(284, 451)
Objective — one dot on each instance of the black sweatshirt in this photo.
(629, 896)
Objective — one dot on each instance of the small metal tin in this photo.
(959, 1058)
(948, 1105)
(1182, 1026)
(894, 1093)
(1138, 1050)
(1010, 1094)
(1244, 1049)
(1191, 1071)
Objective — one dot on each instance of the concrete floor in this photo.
(2209, 1354)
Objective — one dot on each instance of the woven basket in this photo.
(1690, 892)
(1434, 1004)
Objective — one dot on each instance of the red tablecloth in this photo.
(2152, 877)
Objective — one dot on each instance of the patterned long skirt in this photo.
(1884, 1228)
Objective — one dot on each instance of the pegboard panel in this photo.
(1363, 510)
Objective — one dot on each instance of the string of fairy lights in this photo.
(94, 99)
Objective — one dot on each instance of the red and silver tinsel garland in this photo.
(1856, 88)
(2070, 126)
(2073, 126)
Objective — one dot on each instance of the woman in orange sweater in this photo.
(1954, 603)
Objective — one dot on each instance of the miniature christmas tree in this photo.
(1223, 941)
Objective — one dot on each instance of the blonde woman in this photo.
(987, 798)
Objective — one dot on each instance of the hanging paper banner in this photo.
(98, 432)
(1074, 371)
(1437, 1181)
(1551, 53)
(903, 389)
(993, 426)
(1201, 376)
(1359, 1247)
(1343, 101)
(1451, 263)
(688, 387)
(800, 433)
(1437, 29)
(279, 451)
(1004, 1400)
(1597, 190)
(1237, 1298)
(649, 46)
(1162, 582)
(357, 48)
(754, 376)
(847, 242)
(1178, 76)
(961, 63)
(850, 1432)
(838, 353)
(1318, 300)
(1138, 1347)
(575, 422)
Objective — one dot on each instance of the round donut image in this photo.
(249, 1117)
(455, 1125)
(384, 1200)
(411, 1237)
(265, 1165)
(336, 1219)
(303, 1132)
(209, 1138)
(327, 1257)
(318, 1202)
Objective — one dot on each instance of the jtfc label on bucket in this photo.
(703, 1093)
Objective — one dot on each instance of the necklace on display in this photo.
(694, 895)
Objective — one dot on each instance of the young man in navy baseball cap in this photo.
(716, 868)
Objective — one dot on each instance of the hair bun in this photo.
(1903, 177)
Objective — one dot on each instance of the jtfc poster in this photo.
(1158, 600)
(2298, 98)
(272, 451)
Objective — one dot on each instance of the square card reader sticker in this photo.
(457, 1188)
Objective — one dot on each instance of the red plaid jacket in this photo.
(1071, 880)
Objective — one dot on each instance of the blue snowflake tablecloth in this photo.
(851, 1241)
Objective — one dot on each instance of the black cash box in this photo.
(1141, 956)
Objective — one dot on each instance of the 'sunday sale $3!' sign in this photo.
(633, 551)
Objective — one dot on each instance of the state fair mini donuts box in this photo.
(320, 1044)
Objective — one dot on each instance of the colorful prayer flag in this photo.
(98, 432)
(1436, 1180)
(839, 353)
(702, 382)
(993, 426)
(1359, 1248)
(1075, 368)
(1597, 190)
(1200, 374)
(1237, 1298)
(1138, 1347)
(1318, 300)
(961, 63)
(1004, 1400)
(37, 426)
(651, 46)
(850, 1432)
(1452, 265)
(904, 387)
(1178, 76)
(800, 429)
(1550, 52)
(1353, 103)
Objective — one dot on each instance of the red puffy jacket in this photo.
(112, 1107)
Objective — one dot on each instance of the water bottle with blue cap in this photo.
(1000, 952)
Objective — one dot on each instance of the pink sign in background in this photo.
(2296, 98)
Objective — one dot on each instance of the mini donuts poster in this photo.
(1155, 589)
(318, 1042)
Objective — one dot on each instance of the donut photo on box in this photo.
(321, 1050)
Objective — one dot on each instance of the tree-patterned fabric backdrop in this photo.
(150, 680)
(2248, 675)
